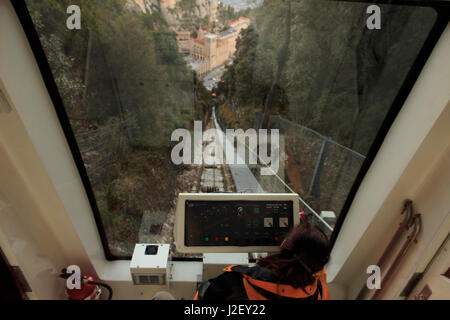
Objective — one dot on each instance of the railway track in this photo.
(215, 177)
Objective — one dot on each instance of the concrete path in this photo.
(243, 178)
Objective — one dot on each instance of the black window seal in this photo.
(442, 9)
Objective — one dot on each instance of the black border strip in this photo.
(442, 8)
(12, 289)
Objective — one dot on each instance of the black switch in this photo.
(151, 250)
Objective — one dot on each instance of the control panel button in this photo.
(268, 222)
(236, 223)
(284, 222)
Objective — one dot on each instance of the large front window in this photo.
(319, 76)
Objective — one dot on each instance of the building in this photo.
(183, 40)
(209, 51)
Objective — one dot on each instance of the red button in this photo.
(276, 238)
(217, 238)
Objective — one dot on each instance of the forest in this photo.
(311, 69)
(125, 88)
(315, 71)
(317, 64)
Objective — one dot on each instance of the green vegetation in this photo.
(301, 64)
(125, 88)
(227, 14)
(338, 77)
(316, 64)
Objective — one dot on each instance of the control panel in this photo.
(234, 222)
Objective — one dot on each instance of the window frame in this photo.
(442, 9)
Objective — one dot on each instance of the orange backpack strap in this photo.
(263, 290)
(251, 292)
(325, 294)
(260, 286)
(230, 268)
(222, 280)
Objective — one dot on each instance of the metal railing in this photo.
(314, 166)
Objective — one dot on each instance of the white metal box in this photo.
(148, 265)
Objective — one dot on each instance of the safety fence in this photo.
(320, 170)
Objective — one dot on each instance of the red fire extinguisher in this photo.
(89, 288)
(302, 215)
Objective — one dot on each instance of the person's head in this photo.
(304, 252)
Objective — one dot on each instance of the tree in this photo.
(282, 58)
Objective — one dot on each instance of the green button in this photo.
(256, 210)
(206, 238)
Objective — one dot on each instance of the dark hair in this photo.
(305, 251)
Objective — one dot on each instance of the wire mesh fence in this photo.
(320, 170)
(102, 147)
